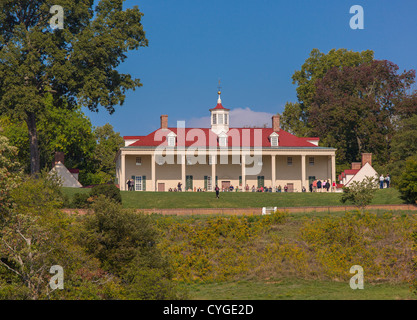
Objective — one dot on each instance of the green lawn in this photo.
(164, 200)
(296, 289)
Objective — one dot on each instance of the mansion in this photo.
(201, 158)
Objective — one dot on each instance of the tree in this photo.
(315, 67)
(407, 184)
(108, 143)
(403, 146)
(36, 235)
(10, 174)
(125, 242)
(354, 107)
(69, 131)
(77, 65)
(360, 193)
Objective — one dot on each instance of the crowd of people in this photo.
(322, 186)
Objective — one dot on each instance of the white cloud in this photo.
(239, 117)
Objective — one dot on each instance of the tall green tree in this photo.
(69, 131)
(295, 115)
(77, 65)
(108, 143)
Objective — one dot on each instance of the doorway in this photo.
(161, 187)
(225, 185)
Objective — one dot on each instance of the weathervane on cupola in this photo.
(219, 92)
(219, 116)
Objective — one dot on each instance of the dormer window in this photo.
(274, 139)
(223, 140)
(214, 118)
(171, 137)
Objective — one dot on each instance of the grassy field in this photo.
(296, 289)
(164, 200)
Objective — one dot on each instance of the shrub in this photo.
(408, 182)
(360, 193)
(81, 201)
(108, 190)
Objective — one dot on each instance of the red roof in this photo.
(237, 137)
(219, 106)
(351, 171)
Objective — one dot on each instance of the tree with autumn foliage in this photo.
(295, 117)
(353, 108)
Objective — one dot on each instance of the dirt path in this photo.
(258, 211)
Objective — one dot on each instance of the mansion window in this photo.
(220, 118)
(140, 183)
(138, 161)
(274, 141)
(289, 161)
(214, 118)
(311, 161)
(171, 141)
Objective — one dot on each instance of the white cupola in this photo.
(219, 117)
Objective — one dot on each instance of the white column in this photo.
(213, 172)
(243, 163)
(273, 173)
(123, 172)
(183, 171)
(333, 168)
(153, 181)
(303, 171)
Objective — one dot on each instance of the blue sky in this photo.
(253, 47)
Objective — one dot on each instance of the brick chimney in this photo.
(59, 156)
(275, 123)
(366, 157)
(164, 121)
(356, 165)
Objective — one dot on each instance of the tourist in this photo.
(334, 186)
(327, 185)
(279, 188)
(311, 187)
(217, 191)
(387, 180)
(303, 189)
(381, 182)
(319, 185)
(179, 186)
(315, 185)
